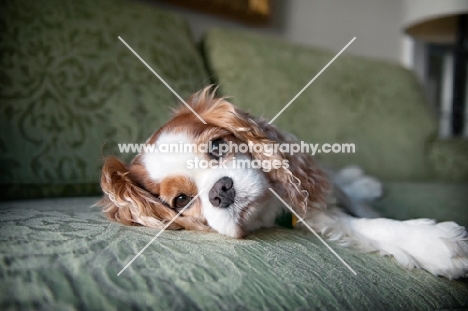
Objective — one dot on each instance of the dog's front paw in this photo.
(441, 249)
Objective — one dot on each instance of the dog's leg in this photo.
(352, 206)
(354, 191)
(440, 248)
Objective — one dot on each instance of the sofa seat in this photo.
(62, 254)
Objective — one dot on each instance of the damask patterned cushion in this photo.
(375, 105)
(70, 90)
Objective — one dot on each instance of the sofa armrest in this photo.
(449, 159)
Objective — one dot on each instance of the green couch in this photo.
(70, 91)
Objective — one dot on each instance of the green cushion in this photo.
(440, 201)
(60, 254)
(70, 90)
(449, 157)
(377, 106)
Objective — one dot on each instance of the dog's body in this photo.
(235, 200)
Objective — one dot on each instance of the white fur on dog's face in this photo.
(250, 185)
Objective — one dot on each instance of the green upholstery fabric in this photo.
(449, 157)
(70, 90)
(60, 254)
(375, 105)
(440, 201)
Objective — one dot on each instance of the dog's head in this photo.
(223, 168)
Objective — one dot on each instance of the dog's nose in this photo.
(222, 194)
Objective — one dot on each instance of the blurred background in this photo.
(418, 34)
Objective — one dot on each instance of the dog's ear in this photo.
(311, 183)
(125, 201)
(298, 178)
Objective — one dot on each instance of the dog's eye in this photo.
(181, 200)
(215, 148)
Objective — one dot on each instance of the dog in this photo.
(234, 200)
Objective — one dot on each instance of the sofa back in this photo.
(377, 106)
(70, 90)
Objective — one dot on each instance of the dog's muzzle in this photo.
(222, 194)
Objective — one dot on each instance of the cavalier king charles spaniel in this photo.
(236, 199)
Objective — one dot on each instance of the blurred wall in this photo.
(331, 24)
